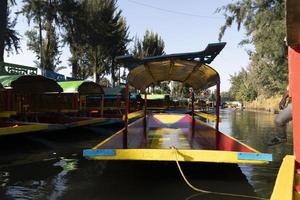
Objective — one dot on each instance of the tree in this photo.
(242, 88)
(50, 48)
(46, 11)
(9, 38)
(71, 16)
(269, 59)
(151, 45)
(95, 30)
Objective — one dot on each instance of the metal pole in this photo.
(126, 117)
(294, 88)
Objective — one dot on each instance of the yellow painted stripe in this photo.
(168, 118)
(284, 185)
(183, 155)
(85, 122)
(208, 116)
(7, 114)
(23, 129)
(164, 138)
(133, 115)
(156, 108)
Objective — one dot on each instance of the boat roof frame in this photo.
(192, 61)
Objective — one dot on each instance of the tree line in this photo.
(94, 31)
(264, 22)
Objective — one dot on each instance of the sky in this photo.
(185, 26)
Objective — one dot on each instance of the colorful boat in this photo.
(114, 104)
(171, 136)
(27, 100)
(18, 98)
(287, 186)
(82, 97)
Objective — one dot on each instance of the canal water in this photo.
(51, 166)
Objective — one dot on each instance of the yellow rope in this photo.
(207, 191)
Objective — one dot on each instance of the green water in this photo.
(50, 166)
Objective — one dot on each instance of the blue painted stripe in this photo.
(255, 156)
(99, 152)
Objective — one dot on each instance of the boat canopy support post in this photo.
(218, 102)
(294, 85)
(145, 109)
(102, 105)
(193, 111)
(126, 116)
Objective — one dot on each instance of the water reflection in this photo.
(51, 185)
(59, 182)
(255, 129)
(37, 173)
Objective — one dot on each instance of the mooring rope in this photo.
(207, 191)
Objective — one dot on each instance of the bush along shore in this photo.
(261, 103)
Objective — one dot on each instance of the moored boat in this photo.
(174, 137)
(28, 99)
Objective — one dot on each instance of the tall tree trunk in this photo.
(74, 61)
(42, 67)
(3, 26)
(47, 62)
(96, 79)
(113, 78)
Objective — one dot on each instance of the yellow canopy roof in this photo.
(197, 75)
(190, 68)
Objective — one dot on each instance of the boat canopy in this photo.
(190, 68)
(30, 83)
(81, 87)
(293, 22)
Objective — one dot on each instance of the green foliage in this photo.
(94, 30)
(50, 48)
(242, 87)
(46, 49)
(9, 37)
(96, 33)
(179, 89)
(264, 22)
(151, 45)
(227, 96)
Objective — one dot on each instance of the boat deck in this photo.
(166, 133)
